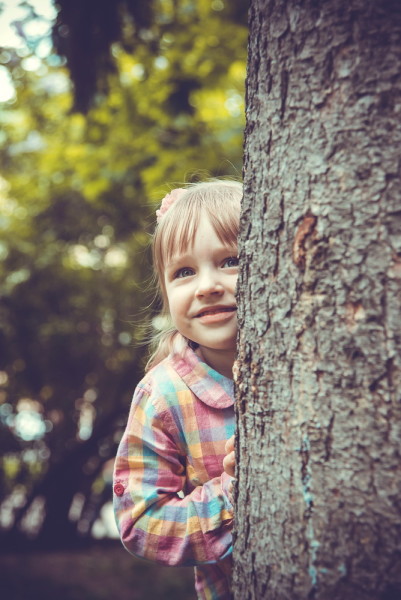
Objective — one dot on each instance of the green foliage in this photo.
(84, 34)
(77, 197)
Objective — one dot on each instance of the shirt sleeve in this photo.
(154, 520)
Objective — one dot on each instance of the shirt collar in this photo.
(208, 385)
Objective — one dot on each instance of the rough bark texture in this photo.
(319, 372)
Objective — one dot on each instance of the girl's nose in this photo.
(209, 285)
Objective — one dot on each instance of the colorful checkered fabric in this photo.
(170, 491)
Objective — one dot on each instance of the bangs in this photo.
(176, 232)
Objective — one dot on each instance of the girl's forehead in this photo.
(194, 250)
(202, 234)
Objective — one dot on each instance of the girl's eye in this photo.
(184, 272)
(231, 261)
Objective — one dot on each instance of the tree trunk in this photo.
(319, 371)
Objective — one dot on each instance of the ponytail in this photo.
(164, 343)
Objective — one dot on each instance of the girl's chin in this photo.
(222, 348)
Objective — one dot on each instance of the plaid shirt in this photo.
(170, 491)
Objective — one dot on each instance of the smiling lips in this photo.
(216, 314)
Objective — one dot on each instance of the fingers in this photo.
(229, 459)
(230, 444)
(229, 464)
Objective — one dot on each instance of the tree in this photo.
(319, 372)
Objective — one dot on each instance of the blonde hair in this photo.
(219, 200)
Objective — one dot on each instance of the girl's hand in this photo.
(229, 459)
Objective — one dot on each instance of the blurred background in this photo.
(105, 105)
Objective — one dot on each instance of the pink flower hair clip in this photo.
(167, 201)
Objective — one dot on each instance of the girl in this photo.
(171, 489)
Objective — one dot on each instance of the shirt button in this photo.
(118, 489)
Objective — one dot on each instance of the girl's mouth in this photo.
(218, 313)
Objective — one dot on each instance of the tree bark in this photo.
(319, 371)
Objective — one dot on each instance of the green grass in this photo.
(103, 572)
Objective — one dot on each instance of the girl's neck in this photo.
(220, 360)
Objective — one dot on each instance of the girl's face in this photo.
(200, 287)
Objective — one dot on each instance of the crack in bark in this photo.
(279, 229)
(284, 80)
(328, 443)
